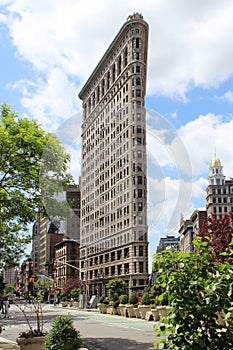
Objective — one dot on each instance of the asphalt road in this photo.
(100, 332)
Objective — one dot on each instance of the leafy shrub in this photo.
(124, 299)
(133, 299)
(75, 292)
(63, 295)
(145, 299)
(199, 289)
(63, 335)
(114, 301)
(103, 300)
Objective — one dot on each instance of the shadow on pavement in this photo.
(115, 344)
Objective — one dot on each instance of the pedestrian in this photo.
(6, 307)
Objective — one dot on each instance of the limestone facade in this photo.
(113, 236)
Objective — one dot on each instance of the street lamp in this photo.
(77, 268)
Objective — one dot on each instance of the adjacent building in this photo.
(47, 234)
(113, 237)
(66, 262)
(219, 201)
(168, 242)
(189, 228)
(219, 193)
(72, 224)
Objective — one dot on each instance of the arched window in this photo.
(113, 72)
(98, 94)
(138, 81)
(126, 56)
(108, 80)
(119, 64)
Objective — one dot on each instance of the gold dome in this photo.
(215, 161)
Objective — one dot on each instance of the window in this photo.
(126, 56)
(119, 64)
(140, 206)
(139, 129)
(138, 81)
(140, 193)
(141, 250)
(141, 267)
(139, 180)
(113, 72)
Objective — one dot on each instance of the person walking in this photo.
(1, 302)
(6, 307)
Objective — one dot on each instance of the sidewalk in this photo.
(7, 344)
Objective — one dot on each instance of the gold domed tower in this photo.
(215, 161)
(219, 193)
(216, 176)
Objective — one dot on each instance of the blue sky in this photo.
(48, 49)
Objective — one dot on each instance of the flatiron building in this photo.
(113, 234)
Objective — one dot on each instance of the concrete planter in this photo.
(122, 309)
(64, 303)
(143, 310)
(130, 310)
(102, 308)
(163, 310)
(35, 343)
(155, 313)
(136, 312)
(111, 310)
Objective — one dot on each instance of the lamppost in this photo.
(74, 267)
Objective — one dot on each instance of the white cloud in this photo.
(203, 137)
(190, 149)
(49, 100)
(228, 96)
(190, 42)
(196, 141)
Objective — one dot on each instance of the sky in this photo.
(48, 49)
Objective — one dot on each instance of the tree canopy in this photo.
(218, 233)
(33, 169)
(199, 291)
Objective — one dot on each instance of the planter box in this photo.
(155, 313)
(129, 310)
(102, 308)
(64, 303)
(143, 310)
(136, 312)
(111, 310)
(36, 343)
(122, 309)
(163, 310)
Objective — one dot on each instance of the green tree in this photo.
(198, 290)
(116, 287)
(33, 168)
